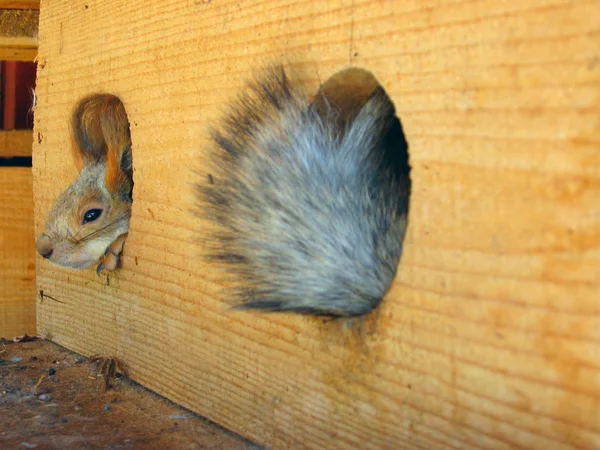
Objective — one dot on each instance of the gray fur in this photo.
(312, 217)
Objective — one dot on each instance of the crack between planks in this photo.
(351, 32)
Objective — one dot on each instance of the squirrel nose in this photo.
(44, 246)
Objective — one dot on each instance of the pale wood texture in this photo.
(15, 143)
(16, 4)
(17, 252)
(490, 337)
(18, 48)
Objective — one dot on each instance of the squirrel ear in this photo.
(87, 141)
(77, 154)
(115, 129)
(113, 169)
(117, 177)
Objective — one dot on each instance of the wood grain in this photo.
(490, 336)
(18, 48)
(19, 4)
(17, 253)
(15, 143)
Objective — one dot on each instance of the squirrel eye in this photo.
(91, 215)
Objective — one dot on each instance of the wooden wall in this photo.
(18, 30)
(490, 337)
(18, 42)
(17, 250)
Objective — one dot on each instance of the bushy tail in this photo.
(311, 213)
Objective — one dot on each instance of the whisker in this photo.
(94, 233)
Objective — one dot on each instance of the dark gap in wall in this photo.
(17, 81)
(18, 161)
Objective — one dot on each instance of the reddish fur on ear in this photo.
(115, 129)
(88, 142)
(100, 135)
(77, 154)
(114, 172)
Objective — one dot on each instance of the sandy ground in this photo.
(51, 398)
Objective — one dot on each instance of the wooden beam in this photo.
(18, 48)
(22, 4)
(489, 337)
(15, 143)
(17, 253)
(18, 54)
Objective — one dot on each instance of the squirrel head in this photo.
(95, 209)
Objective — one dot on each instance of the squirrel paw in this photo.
(110, 261)
(112, 257)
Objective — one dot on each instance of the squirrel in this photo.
(89, 222)
(311, 204)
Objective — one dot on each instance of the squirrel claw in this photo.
(99, 269)
(111, 261)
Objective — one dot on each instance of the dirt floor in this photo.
(51, 398)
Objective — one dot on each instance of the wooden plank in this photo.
(15, 143)
(19, 4)
(17, 253)
(490, 336)
(18, 48)
(18, 54)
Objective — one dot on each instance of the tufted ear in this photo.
(118, 169)
(76, 153)
(115, 129)
(87, 140)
